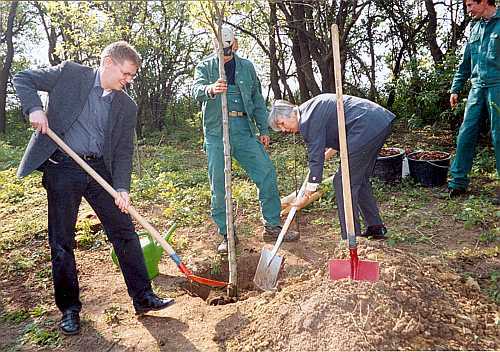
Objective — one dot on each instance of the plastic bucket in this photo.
(390, 168)
(429, 173)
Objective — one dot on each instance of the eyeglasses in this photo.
(128, 75)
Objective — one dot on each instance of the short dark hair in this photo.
(121, 51)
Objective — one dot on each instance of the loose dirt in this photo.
(418, 304)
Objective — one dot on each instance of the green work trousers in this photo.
(482, 102)
(253, 158)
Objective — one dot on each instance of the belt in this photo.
(236, 114)
(60, 156)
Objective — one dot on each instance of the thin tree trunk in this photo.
(232, 289)
(51, 36)
(431, 33)
(305, 62)
(272, 52)
(4, 74)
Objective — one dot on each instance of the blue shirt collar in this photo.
(97, 83)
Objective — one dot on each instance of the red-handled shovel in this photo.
(341, 268)
(157, 236)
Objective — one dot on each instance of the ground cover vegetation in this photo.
(459, 238)
(440, 280)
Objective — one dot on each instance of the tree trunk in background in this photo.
(4, 74)
(373, 95)
(457, 29)
(284, 72)
(304, 62)
(273, 59)
(51, 34)
(431, 33)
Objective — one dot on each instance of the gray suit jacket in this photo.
(318, 124)
(68, 85)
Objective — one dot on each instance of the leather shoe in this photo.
(70, 322)
(151, 302)
(377, 232)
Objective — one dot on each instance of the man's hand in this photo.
(122, 201)
(265, 139)
(220, 86)
(453, 100)
(300, 202)
(39, 121)
(329, 152)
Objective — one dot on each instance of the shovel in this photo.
(131, 210)
(353, 268)
(269, 265)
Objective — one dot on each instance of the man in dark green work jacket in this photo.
(480, 63)
(247, 112)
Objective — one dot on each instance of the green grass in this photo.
(39, 333)
(15, 317)
(493, 288)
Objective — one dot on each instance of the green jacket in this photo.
(481, 58)
(207, 72)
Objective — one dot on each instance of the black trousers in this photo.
(66, 183)
(361, 165)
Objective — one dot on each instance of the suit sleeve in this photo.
(316, 142)
(124, 151)
(260, 113)
(28, 83)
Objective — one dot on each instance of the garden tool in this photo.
(131, 210)
(151, 250)
(354, 268)
(269, 265)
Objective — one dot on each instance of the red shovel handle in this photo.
(354, 263)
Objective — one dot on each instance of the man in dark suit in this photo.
(90, 111)
(367, 127)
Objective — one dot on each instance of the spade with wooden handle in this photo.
(353, 268)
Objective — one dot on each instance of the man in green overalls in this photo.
(480, 63)
(247, 110)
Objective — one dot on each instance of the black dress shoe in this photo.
(151, 302)
(377, 232)
(70, 323)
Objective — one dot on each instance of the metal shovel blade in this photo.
(266, 275)
(341, 269)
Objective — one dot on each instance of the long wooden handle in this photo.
(157, 236)
(344, 159)
(288, 221)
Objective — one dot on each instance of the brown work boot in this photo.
(271, 233)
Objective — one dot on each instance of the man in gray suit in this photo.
(367, 127)
(90, 111)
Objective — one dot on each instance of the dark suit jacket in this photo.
(69, 85)
(318, 124)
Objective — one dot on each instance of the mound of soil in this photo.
(414, 305)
